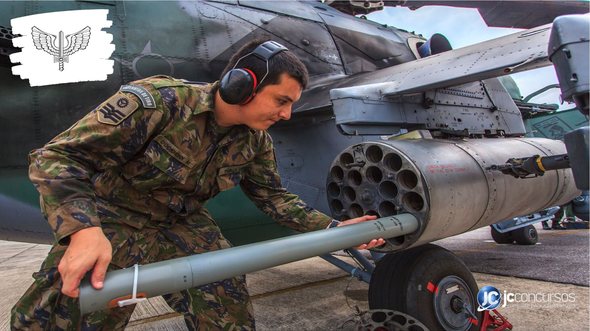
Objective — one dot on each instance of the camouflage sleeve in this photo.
(63, 169)
(262, 185)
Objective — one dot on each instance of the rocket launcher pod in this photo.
(448, 185)
(126, 285)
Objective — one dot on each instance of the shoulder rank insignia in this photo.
(147, 100)
(116, 109)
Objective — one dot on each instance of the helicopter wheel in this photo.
(525, 236)
(429, 283)
(501, 238)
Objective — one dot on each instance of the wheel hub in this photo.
(457, 304)
(451, 302)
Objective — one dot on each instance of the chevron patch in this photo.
(116, 109)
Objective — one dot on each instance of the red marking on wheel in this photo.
(432, 288)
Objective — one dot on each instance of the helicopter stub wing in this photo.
(521, 51)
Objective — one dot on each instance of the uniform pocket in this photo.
(162, 154)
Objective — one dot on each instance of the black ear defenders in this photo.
(238, 86)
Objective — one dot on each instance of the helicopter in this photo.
(385, 111)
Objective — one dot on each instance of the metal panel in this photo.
(578, 147)
(569, 52)
(478, 108)
(313, 144)
(513, 53)
(291, 8)
(316, 48)
(555, 125)
(509, 54)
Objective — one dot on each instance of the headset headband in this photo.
(265, 52)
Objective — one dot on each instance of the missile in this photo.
(182, 273)
(450, 186)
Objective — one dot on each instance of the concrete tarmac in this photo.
(560, 256)
(314, 295)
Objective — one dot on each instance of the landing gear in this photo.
(429, 283)
(501, 238)
(523, 236)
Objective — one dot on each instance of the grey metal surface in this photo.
(517, 52)
(22, 222)
(353, 271)
(305, 148)
(522, 221)
(569, 52)
(444, 183)
(477, 108)
(173, 275)
(578, 148)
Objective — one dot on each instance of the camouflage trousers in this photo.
(223, 305)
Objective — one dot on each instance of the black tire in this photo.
(525, 236)
(401, 282)
(501, 238)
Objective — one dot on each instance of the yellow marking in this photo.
(540, 164)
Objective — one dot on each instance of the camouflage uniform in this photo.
(141, 166)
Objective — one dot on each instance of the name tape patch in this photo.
(147, 100)
(174, 151)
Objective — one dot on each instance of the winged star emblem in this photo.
(61, 47)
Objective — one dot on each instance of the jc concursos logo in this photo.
(488, 298)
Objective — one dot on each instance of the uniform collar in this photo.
(237, 133)
(205, 101)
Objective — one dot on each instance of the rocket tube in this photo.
(191, 271)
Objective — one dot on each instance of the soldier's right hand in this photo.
(88, 249)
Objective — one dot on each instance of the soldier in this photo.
(127, 183)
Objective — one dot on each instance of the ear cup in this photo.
(238, 86)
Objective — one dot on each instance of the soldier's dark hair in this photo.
(283, 62)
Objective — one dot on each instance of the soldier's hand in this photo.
(371, 244)
(88, 249)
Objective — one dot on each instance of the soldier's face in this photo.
(271, 104)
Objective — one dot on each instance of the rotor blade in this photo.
(512, 14)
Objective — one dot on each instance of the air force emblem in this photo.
(116, 109)
(59, 46)
(86, 58)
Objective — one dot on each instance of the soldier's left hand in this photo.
(371, 244)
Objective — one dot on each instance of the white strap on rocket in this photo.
(134, 299)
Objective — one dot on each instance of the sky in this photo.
(463, 27)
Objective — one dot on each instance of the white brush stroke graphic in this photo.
(64, 47)
(43, 34)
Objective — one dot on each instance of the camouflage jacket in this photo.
(153, 152)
